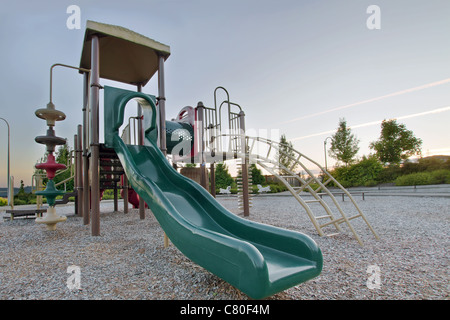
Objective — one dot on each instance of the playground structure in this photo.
(51, 115)
(258, 259)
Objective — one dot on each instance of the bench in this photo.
(26, 212)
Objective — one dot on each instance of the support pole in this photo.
(162, 107)
(245, 191)
(116, 198)
(79, 171)
(213, 179)
(125, 193)
(200, 119)
(75, 177)
(95, 88)
(162, 117)
(86, 186)
(141, 143)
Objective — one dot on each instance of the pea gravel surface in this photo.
(128, 260)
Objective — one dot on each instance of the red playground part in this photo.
(133, 197)
(51, 166)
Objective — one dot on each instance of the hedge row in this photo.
(423, 178)
(369, 172)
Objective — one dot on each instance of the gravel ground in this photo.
(128, 260)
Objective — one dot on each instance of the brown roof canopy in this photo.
(125, 55)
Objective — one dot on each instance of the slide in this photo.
(258, 259)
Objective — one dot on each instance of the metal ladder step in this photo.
(323, 217)
(333, 234)
(312, 201)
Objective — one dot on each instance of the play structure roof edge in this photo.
(125, 56)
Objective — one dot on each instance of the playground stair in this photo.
(301, 187)
(110, 168)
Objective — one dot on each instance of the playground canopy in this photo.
(125, 55)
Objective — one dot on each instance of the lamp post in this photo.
(8, 163)
(325, 151)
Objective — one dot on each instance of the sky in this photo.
(295, 66)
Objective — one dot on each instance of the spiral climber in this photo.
(51, 115)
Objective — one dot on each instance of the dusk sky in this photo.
(294, 66)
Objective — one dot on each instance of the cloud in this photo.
(425, 86)
(367, 124)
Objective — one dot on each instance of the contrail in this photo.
(425, 86)
(367, 124)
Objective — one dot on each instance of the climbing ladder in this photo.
(223, 132)
(262, 151)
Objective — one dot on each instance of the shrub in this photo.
(422, 178)
(3, 202)
(276, 187)
(257, 177)
(389, 174)
(108, 194)
(223, 177)
(19, 202)
(365, 172)
(370, 183)
(431, 164)
(414, 179)
(440, 176)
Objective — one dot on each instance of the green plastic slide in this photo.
(258, 259)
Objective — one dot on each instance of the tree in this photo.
(396, 143)
(344, 145)
(257, 177)
(22, 195)
(62, 156)
(286, 155)
(223, 177)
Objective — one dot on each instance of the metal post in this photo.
(8, 163)
(200, 120)
(245, 191)
(11, 192)
(325, 152)
(139, 119)
(141, 143)
(95, 88)
(75, 178)
(125, 193)
(162, 117)
(86, 186)
(213, 179)
(162, 107)
(116, 200)
(79, 170)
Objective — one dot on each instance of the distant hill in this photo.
(440, 157)
(3, 191)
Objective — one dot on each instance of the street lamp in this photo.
(325, 151)
(8, 163)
